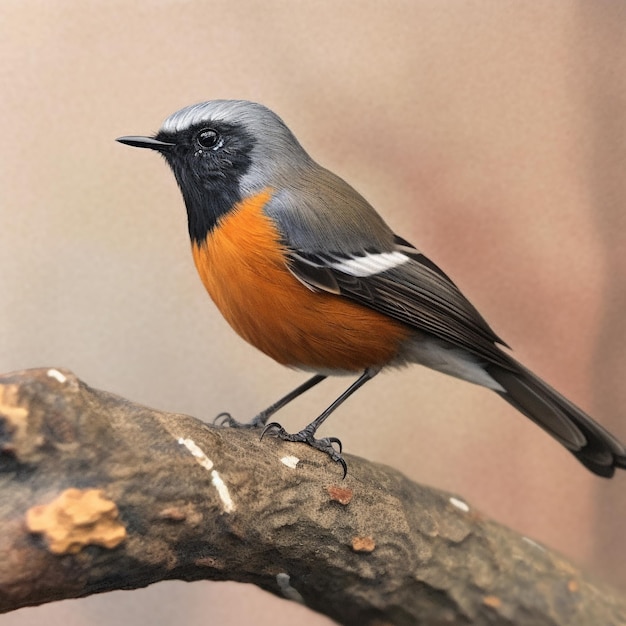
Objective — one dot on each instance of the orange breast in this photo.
(242, 265)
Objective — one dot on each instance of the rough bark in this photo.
(98, 493)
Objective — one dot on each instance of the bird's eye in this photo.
(208, 138)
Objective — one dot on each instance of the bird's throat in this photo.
(205, 209)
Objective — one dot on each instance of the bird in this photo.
(306, 270)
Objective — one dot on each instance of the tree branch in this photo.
(98, 493)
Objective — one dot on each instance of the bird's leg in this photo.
(307, 435)
(225, 419)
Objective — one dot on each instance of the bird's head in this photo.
(222, 151)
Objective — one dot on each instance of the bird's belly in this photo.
(242, 265)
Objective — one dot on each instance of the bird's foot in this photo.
(227, 420)
(325, 444)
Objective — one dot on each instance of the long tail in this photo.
(589, 442)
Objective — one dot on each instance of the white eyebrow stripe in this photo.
(186, 118)
(190, 117)
(214, 110)
(370, 264)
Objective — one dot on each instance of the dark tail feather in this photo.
(591, 444)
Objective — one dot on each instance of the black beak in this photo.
(146, 142)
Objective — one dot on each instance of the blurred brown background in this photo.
(491, 134)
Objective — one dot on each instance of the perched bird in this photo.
(304, 268)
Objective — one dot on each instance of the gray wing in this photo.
(407, 286)
(379, 269)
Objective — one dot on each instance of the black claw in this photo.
(337, 441)
(224, 419)
(271, 426)
(306, 436)
(227, 420)
(345, 467)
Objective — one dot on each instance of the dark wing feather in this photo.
(416, 293)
